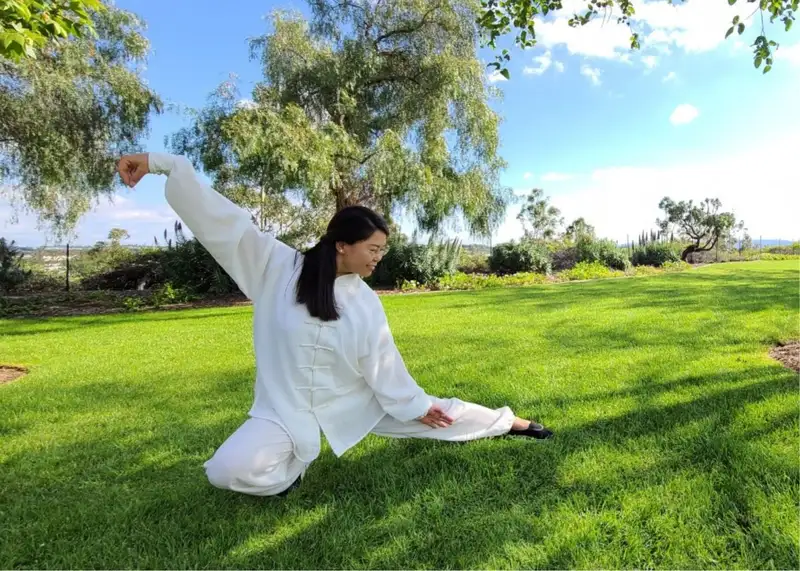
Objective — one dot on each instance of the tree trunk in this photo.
(67, 282)
(688, 251)
(344, 199)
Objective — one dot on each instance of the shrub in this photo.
(462, 281)
(656, 254)
(471, 262)
(185, 264)
(604, 252)
(564, 258)
(775, 257)
(590, 271)
(12, 274)
(421, 263)
(525, 256)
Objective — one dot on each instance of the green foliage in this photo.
(656, 254)
(462, 281)
(184, 264)
(101, 258)
(590, 271)
(67, 116)
(375, 103)
(26, 26)
(499, 17)
(409, 261)
(774, 257)
(540, 220)
(793, 249)
(579, 229)
(604, 252)
(701, 224)
(471, 262)
(12, 274)
(524, 256)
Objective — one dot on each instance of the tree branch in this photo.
(410, 30)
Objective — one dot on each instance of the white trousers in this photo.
(258, 458)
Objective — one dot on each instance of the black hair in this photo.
(350, 225)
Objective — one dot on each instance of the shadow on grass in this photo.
(136, 496)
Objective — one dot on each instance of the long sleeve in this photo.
(225, 229)
(384, 371)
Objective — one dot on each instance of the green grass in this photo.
(677, 437)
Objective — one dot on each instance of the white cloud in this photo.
(496, 76)
(684, 114)
(623, 201)
(556, 177)
(671, 76)
(695, 26)
(592, 73)
(141, 220)
(527, 175)
(650, 61)
(543, 63)
(790, 54)
(594, 39)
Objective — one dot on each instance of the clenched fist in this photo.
(132, 168)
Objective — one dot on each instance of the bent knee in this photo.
(248, 478)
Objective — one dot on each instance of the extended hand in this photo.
(436, 418)
(132, 168)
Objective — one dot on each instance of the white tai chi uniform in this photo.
(345, 377)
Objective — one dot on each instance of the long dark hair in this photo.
(350, 225)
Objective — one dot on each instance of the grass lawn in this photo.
(677, 436)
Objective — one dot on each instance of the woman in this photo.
(325, 357)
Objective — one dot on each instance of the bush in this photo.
(421, 263)
(604, 252)
(185, 264)
(590, 271)
(461, 281)
(564, 258)
(525, 256)
(12, 274)
(775, 257)
(656, 254)
(470, 262)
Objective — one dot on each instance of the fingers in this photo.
(131, 169)
(440, 415)
(435, 422)
(123, 168)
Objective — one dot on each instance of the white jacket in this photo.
(339, 376)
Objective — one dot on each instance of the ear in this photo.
(340, 247)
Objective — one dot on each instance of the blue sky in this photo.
(606, 132)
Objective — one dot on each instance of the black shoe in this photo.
(285, 492)
(535, 430)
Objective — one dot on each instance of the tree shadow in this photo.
(135, 496)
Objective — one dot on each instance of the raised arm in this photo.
(225, 229)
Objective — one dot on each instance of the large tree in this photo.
(500, 17)
(376, 103)
(67, 115)
(26, 26)
(259, 156)
(703, 225)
